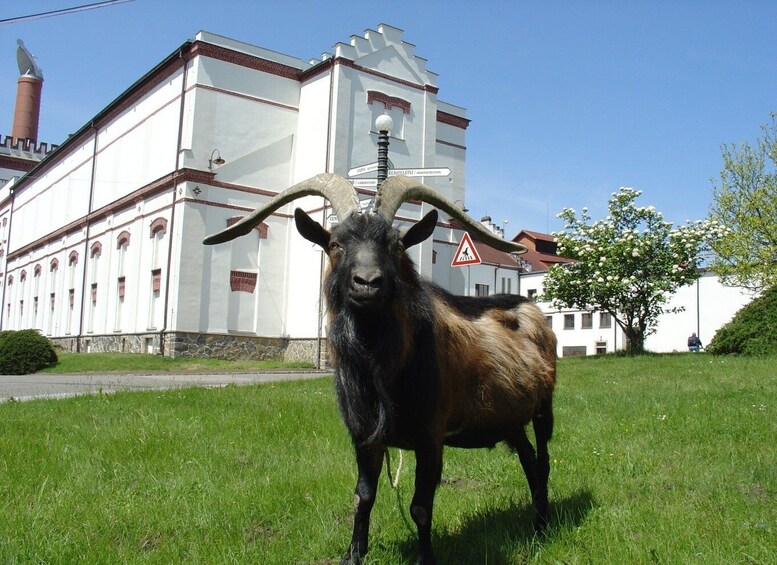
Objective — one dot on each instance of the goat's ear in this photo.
(311, 229)
(420, 231)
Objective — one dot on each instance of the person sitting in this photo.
(694, 343)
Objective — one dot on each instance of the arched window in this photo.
(123, 239)
(157, 225)
(96, 249)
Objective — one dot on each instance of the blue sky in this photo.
(568, 100)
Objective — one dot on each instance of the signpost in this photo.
(466, 253)
(372, 167)
(430, 172)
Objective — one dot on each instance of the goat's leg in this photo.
(543, 430)
(427, 477)
(521, 445)
(369, 461)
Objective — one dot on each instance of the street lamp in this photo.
(217, 161)
(383, 124)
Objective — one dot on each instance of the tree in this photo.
(745, 200)
(627, 264)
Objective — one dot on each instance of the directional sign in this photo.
(363, 183)
(466, 254)
(362, 169)
(432, 172)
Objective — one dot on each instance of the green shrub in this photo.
(753, 331)
(24, 351)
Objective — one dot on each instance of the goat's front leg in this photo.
(427, 476)
(369, 460)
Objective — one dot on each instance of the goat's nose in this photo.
(368, 280)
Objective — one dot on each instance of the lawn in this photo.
(133, 362)
(657, 459)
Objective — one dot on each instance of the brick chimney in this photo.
(28, 96)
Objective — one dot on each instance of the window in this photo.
(586, 321)
(573, 350)
(92, 308)
(549, 319)
(605, 320)
(481, 290)
(393, 106)
(601, 347)
(51, 313)
(569, 321)
(507, 285)
(532, 293)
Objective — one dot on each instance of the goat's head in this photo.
(367, 255)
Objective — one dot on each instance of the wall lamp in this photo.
(215, 161)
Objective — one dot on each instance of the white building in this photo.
(100, 242)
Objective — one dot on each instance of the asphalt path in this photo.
(47, 385)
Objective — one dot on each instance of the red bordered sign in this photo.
(466, 253)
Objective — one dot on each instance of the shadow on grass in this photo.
(500, 535)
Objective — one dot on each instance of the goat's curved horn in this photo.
(396, 190)
(341, 195)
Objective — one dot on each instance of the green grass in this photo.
(134, 362)
(657, 459)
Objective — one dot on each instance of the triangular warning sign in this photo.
(466, 254)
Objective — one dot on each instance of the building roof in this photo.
(541, 254)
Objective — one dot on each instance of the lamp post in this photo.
(383, 124)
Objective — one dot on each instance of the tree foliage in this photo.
(627, 264)
(745, 200)
(24, 351)
(752, 331)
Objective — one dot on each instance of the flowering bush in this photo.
(626, 264)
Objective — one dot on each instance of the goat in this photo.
(416, 367)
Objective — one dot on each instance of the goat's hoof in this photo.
(540, 525)
(351, 560)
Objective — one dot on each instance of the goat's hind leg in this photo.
(369, 461)
(543, 430)
(521, 445)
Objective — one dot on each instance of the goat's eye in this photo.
(334, 246)
(400, 248)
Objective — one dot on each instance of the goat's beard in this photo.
(361, 349)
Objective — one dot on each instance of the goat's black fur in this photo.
(418, 368)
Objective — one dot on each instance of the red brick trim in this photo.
(96, 249)
(36, 270)
(156, 280)
(72, 259)
(241, 281)
(253, 62)
(160, 224)
(451, 120)
(388, 101)
(122, 239)
(352, 65)
(449, 144)
(121, 286)
(54, 264)
(23, 275)
(246, 97)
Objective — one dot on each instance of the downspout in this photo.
(323, 217)
(172, 208)
(86, 242)
(7, 251)
(698, 312)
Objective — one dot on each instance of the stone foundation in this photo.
(184, 344)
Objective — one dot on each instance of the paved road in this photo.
(45, 385)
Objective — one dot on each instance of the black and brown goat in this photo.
(416, 367)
